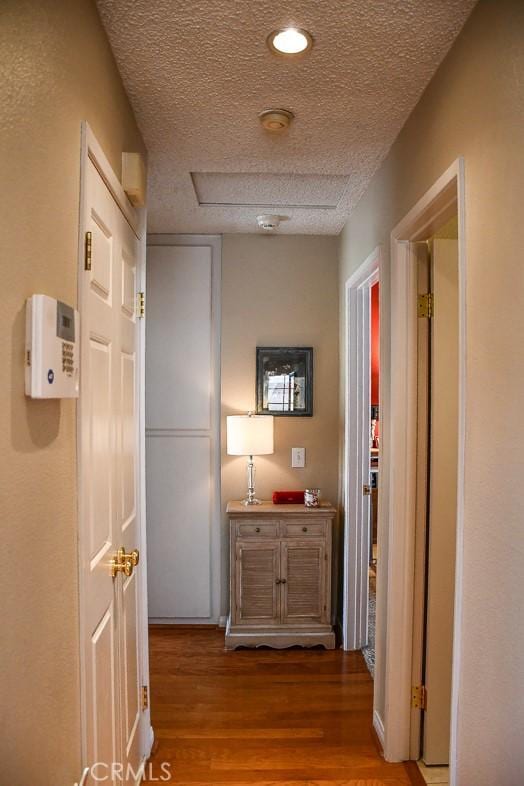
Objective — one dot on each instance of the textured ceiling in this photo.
(198, 73)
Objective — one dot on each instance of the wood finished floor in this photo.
(263, 717)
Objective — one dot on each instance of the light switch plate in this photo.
(298, 458)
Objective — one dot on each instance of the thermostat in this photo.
(52, 348)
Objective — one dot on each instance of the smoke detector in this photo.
(276, 119)
(268, 222)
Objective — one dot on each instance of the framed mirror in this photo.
(285, 381)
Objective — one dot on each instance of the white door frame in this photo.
(356, 450)
(92, 151)
(399, 462)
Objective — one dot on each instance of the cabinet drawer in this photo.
(256, 529)
(304, 529)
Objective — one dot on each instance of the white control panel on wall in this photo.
(51, 349)
(298, 457)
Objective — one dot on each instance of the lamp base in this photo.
(251, 501)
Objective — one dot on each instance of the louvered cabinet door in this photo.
(304, 582)
(257, 569)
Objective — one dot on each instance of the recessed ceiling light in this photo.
(291, 41)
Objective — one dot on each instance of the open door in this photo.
(110, 593)
(437, 491)
(442, 514)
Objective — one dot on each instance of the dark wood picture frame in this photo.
(292, 371)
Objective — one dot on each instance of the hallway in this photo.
(263, 717)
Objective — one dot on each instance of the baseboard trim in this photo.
(222, 621)
(181, 623)
(151, 740)
(378, 725)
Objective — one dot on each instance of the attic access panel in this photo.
(265, 189)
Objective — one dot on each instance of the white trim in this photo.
(399, 461)
(90, 150)
(379, 727)
(356, 451)
(146, 731)
(459, 558)
(215, 243)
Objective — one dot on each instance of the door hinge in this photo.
(140, 304)
(88, 248)
(145, 697)
(425, 306)
(366, 490)
(419, 697)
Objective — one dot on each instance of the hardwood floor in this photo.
(263, 717)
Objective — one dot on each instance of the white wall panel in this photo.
(178, 349)
(182, 428)
(179, 510)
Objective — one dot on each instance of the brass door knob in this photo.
(134, 557)
(124, 563)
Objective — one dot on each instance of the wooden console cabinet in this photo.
(280, 575)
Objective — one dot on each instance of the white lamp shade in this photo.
(249, 435)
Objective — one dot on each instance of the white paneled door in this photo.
(108, 458)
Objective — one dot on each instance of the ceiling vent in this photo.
(276, 119)
(269, 222)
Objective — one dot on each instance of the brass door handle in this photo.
(133, 557)
(124, 563)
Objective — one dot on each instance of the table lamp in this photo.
(250, 435)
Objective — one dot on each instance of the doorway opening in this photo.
(368, 650)
(425, 467)
(362, 439)
(436, 497)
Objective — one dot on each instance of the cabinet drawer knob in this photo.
(257, 529)
(283, 581)
(278, 581)
(304, 529)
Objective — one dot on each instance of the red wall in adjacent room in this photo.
(375, 346)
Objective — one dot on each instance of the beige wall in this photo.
(280, 291)
(57, 70)
(474, 107)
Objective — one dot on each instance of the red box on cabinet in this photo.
(288, 497)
